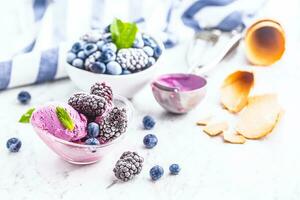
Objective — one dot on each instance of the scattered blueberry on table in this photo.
(174, 169)
(150, 141)
(13, 145)
(114, 52)
(24, 97)
(156, 172)
(92, 141)
(93, 130)
(148, 122)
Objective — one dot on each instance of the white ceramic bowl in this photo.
(124, 85)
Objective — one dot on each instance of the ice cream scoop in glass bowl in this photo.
(81, 154)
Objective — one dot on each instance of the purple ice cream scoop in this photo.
(45, 118)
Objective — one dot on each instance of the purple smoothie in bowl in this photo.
(179, 93)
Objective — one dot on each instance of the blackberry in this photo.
(129, 165)
(102, 90)
(91, 59)
(134, 155)
(89, 105)
(113, 124)
(92, 36)
(132, 59)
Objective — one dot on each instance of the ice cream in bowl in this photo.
(85, 128)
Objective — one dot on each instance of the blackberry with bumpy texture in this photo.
(89, 61)
(129, 165)
(89, 105)
(102, 90)
(134, 155)
(92, 36)
(113, 124)
(132, 59)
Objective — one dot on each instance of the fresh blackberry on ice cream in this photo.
(89, 105)
(129, 165)
(113, 124)
(102, 90)
(132, 59)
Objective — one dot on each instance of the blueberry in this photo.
(24, 97)
(108, 56)
(90, 48)
(151, 61)
(107, 29)
(148, 122)
(81, 55)
(107, 37)
(114, 68)
(149, 41)
(138, 42)
(77, 46)
(110, 46)
(70, 57)
(98, 67)
(156, 172)
(148, 50)
(125, 72)
(13, 144)
(78, 63)
(99, 44)
(157, 52)
(92, 141)
(93, 130)
(150, 141)
(174, 169)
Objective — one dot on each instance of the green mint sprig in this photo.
(25, 118)
(64, 118)
(123, 33)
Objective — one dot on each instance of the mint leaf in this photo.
(65, 118)
(123, 33)
(25, 118)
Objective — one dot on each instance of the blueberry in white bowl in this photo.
(120, 55)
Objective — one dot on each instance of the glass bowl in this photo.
(82, 154)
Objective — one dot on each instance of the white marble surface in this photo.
(266, 169)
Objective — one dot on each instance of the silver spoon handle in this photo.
(203, 69)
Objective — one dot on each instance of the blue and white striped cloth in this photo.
(39, 53)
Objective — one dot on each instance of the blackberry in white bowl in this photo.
(120, 55)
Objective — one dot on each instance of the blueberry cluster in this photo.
(96, 52)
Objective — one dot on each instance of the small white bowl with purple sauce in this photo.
(179, 93)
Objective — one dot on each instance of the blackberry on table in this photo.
(89, 105)
(113, 125)
(132, 59)
(135, 156)
(129, 166)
